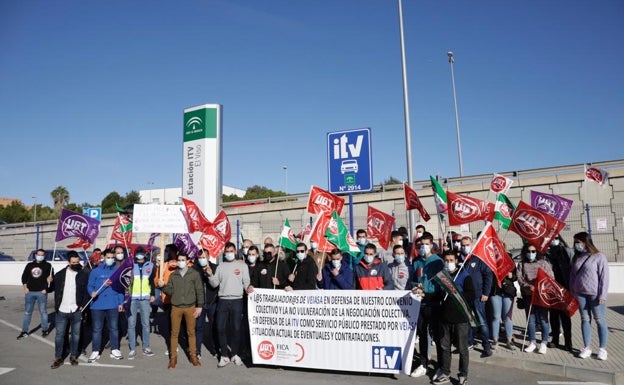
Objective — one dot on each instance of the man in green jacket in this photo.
(187, 297)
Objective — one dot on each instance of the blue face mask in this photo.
(203, 262)
(578, 247)
(140, 257)
(229, 256)
(336, 263)
(400, 258)
(531, 256)
(109, 261)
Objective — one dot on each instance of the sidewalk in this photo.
(563, 363)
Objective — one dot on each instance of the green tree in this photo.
(230, 198)
(60, 197)
(392, 180)
(109, 201)
(15, 212)
(132, 198)
(259, 192)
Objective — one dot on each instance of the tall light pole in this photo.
(408, 139)
(35, 207)
(459, 151)
(149, 187)
(285, 178)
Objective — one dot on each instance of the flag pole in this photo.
(91, 299)
(161, 257)
(527, 325)
(277, 260)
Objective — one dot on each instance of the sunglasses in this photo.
(301, 251)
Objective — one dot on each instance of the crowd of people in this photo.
(208, 294)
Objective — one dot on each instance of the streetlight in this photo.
(35, 206)
(459, 151)
(285, 178)
(149, 186)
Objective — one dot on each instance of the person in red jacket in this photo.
(371, 273)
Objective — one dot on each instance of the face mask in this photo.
(400, 242)
(109, 261)
(229, 256)
(450, 266)
(555, 242)
(465, 250)
(301, 256)
(336, 263)
(418, 235)
(245, 250)
(39, 258)
(424, 250)
(531, 256)
(361, 241)
(267, 255)
(399, 258)
(181, 264)
(203, 262)
(119, 257)
(369, 259)
(313, 245)
(140, 257)
(76, 267)
(252, 259)
(578, 247)
(456, 245)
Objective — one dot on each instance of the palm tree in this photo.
(60, 196)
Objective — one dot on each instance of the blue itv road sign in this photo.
(349, 161)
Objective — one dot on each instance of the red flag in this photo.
(222, 227)
(211, 240)
(118, 234)
(196, 219)
(322, 201)
(491, 251)
(464, 209)
(500, 184)
(549, 293)
(379, 225)
(318, 233)
(538, 228)
(598, 175)
(307, 230)
(413, 202)
(80, 244)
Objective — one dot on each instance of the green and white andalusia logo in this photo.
(200, 124)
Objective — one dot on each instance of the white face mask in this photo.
(229, 256)
(245, 250)
(419, 234)
(400, 242)
(109, 262)
(203, 262)
(531, 256)
(336, 263)
(140, 257)
(399, 258)
(456, 245)
(301, 256)
(39, 258)
(555, 242)
(119, 257)
(252, 259)
(465, 250)
(450, 266)
(361, 241)
(424, 250)
(314, 245)
(369, 259)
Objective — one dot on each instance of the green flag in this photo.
(440, 197)
(504, 210)
(287, 239)
(443, 278)
(338, 234)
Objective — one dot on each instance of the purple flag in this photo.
(122, 277)
(151, 240)
(72, 224)
(555, 205)
(186, 245)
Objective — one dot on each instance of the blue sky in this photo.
(92, 92)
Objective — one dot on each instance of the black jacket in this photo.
(82, 295)
(305, 275)
(267, 272)
(210, 293)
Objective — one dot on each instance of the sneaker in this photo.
(116, 354)
(511, 346)
(463, 380)
(57, 363)
(442, 379)
(199, 356)
(94, 356)
(437, 374)
(419, 372)
(486, 353)
(494, 345)
(223, 362)
(45, 333)
(531, 348)
(602, 354)
(132, 355)
(22, 335)
(237, 360)
(470, 347)
(543, 348)
(73, 360)
(148, 352)
(585, 353)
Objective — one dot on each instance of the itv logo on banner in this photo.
(387, 357)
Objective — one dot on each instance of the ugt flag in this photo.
(338, 234)
(598, 175)
(500, 184)
(122, 277)
(379, 225)
(222, 227)
(413, 202)
(318, 233)
(555, 205)
(186, 245)
(212, 241)
(196, 219)
(536, 227)
(464, 209)
(491, 251)
(549, 293)
(323, 202)
(72, 224)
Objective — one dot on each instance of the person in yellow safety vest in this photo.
(141, 296)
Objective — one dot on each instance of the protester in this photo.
(122, 321)
(387, 256)
(502, 300)
(187, 298)
(274, 273)
(482, 278)
(242, 252)
(36, 278)
(559, 258)
(400, 271)
(141, 296)
(589, 283)
(304, 273)
(407, 245)
(209, 308)
(106, 305)
(527, 274)
(232, 279)
(254, 278)
(371, 273)
(171, 265)
(336, 275)
(428, 318)
(70, 295)
(454, 324)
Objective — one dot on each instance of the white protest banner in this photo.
(158, 219)
(346, 330)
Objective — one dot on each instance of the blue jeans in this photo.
(502, 308)
(589, 306)
(42, 301)
(229, 311)
(538, 314)
(112, 318)
(62, 320)
(483, 328)
(143, 307)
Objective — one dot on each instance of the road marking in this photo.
(5, 370)
(50, 343)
